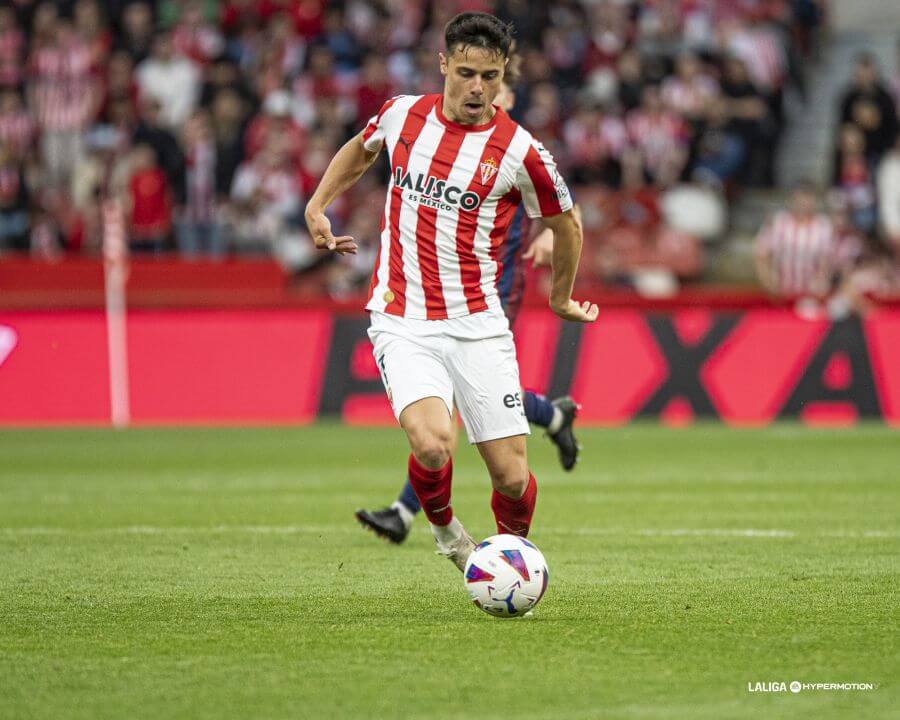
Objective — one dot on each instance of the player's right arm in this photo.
(345, 168)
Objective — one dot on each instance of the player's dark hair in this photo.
(478, 30)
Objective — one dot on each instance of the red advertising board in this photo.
(234, 366)
(293, 365)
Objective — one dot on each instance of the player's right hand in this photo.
(319, 227)
(585, 312)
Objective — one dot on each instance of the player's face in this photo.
(472, 79)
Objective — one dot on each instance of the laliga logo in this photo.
(436, 189)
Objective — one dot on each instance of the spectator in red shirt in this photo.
(149, 203)
(194, 38)
(235, 15)
(374, 87)
(275, 121)
(12, 48)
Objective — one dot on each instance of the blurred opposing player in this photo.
(459, 167)
(394, 522)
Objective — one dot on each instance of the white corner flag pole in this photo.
(115, 274)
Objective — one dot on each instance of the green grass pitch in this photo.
(201, 573)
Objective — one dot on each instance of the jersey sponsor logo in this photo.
(488, 170)
(436, 193)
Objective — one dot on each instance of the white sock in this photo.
(405, 515)
(556, 422)
(447, 534)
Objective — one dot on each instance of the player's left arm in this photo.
(567, 241)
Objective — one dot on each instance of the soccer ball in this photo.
(506, 576)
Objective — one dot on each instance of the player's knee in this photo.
(432, 448)
(511, 479)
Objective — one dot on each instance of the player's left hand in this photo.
(585, 312)
(540, 252)
(320, 230)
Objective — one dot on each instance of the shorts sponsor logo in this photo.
(512, 400)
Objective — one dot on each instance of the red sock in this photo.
(514, 516)
(432, 487)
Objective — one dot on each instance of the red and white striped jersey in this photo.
(801, 250)
(453, 191)
(763, 54)
(62, 89)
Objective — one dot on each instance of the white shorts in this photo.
(470, 360)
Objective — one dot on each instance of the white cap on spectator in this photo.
(277, 103)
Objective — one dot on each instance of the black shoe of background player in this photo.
(564, 437)
(386, 523)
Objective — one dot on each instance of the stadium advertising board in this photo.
(291, 366)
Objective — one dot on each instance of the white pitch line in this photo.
(726, 532)
(352, 529)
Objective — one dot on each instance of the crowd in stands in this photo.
(212, 120)
(839, 261)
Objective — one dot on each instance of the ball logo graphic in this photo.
(506, 576)
(795, 687)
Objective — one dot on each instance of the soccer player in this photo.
(395, 521)
(460, 166)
